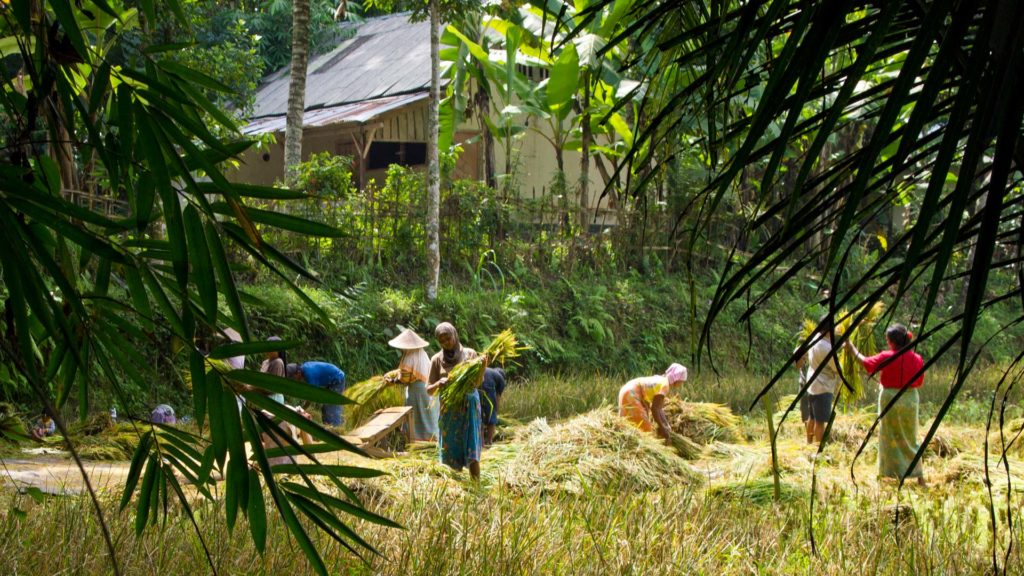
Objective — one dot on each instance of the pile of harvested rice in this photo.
(703, 422)
(596, 450)
(1012, 435)
(118, 442)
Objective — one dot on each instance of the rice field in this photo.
(573, 492)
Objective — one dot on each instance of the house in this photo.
(368, 98)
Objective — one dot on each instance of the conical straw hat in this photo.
(408, 340)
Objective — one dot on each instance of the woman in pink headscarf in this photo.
(642, 400)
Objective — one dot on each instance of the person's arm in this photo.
(801, 360)
(433, 388)
(658, 411)
(856, 353)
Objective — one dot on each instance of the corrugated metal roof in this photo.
(354, 113)
(388, 56)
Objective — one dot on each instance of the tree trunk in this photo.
(433, 170)
(585, 156)
(296, 89)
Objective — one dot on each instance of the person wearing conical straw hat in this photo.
(642, 400)
(413, 372)
(459, 429)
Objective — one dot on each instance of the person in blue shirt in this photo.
(493, 387)
(321, 375)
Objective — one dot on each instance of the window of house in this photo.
(384, 154)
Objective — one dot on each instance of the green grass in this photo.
(483, 533)
(727, 526)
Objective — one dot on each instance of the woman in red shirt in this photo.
(901, 368)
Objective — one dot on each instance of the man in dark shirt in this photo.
(493, 387)
(321, 375)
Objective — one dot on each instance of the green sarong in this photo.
(897, 437)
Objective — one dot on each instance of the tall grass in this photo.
(557, 396)
(672, 531)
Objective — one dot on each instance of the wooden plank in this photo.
(381, 424)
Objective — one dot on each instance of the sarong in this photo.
(897, 437)
(460, 441)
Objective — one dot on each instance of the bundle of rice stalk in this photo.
(463, 378)
(758, 491)
(862, 337)
(703, 422)
(686, 448)
(371, 395)
(596, 450)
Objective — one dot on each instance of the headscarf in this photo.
(449, 358)
(280, 353)
(417, 361)
(675, 373)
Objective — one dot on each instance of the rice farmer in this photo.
(274, 439)
(44, 427)
(274, 364)
(236, 362)
(162, 414)
(413, 372)
(823, 372)
(493, 387)
(643, 399)
(459, 429)
(901, 368)
(321, 375)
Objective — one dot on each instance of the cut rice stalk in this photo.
(759, 491)
(686, 448)
(464, 378)
(371, 395)
(703, 422)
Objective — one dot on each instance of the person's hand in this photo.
(432, 388)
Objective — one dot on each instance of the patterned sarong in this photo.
(460, 433)
(897, 437)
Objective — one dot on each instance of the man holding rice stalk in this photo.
(643, 399)
(823, 372)
(455, 374)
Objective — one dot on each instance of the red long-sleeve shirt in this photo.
(898, 372)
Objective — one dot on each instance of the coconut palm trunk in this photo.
(433, 170)
(296, 89)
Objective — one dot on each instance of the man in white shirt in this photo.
(823, 384)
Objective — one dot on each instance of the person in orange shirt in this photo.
(642, 400)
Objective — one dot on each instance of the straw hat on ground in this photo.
(408, 340)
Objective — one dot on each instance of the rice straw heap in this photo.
(371, 395)
(703, 422)
(596, 450)
(464, 378)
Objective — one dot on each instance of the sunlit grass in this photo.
(455, 527)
